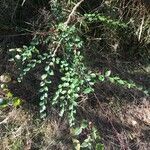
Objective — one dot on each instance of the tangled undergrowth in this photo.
(73, 48)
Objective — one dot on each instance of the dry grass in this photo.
(123, 127)
(19, 129)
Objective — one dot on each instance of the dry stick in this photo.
(5, 120)
(141, 28)
(8, 117)
(23, 2)
(73, 12)
(58, 45)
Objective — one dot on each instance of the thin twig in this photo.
(141, 28)
(5, 120)
(58, 45)
(73, 12)
(23, 2)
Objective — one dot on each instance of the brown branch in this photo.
(58, 45)
(73, 12)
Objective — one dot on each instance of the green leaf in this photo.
(93, 75)
(51, 73)
(101, 78)
(66, 84)
(116, 78)
(43, 108)
(53, 59)
(76, 144)
(85, 144)
(62, 98)
(42, 83)
(41, 103)
(74, 103)
(26, 69)
(41, 90)
(47, 68)
(42, 98)
(39, 61)
(46, 88)
(77, 89)
(57, 60)
(51, 64)
(75, 81)
(91, 83)
(107, 73)
(45, 95)
(94, 133)
(72, 86)
(44, 76)
(99, 146)
(121, 82)
(70, 91)
(55, 97)
(63, 78)
(111, 79)
(77, 131)
(9, 95)
(17, 102)
(87, 90)
(48, 81)
(76, 95)
(88, 79)
(63, 92)
(71, 107)
(62, 112)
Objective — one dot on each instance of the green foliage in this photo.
(75, 77)
(117, 80)
(63, 54)
(93, 17)
(63, 57)
(8, 99)
(76, 80)
(86, 136)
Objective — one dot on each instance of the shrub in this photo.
(59, 47)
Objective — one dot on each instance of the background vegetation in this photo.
(74, 74)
